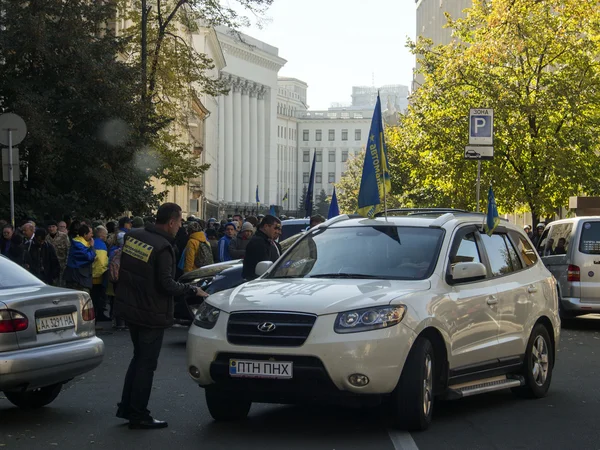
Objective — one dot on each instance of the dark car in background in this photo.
(215, 278)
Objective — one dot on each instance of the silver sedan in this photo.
(47, 337)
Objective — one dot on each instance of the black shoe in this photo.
(147, 424)
(122, 414)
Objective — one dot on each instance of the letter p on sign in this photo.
(481, 127)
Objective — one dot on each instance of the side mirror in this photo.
(262, 267)
(468, 271)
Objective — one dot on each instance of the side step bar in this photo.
(482, 386)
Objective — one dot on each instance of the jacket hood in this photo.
(199, 236)
(82, 241)
(316, 296)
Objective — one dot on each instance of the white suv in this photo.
(399, 310)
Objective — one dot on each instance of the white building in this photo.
(247, 131)
(334, 136)
(291, 103)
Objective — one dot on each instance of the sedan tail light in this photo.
(573, 273)
(88, 312)
(11, 321)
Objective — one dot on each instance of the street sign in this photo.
(15, 124)
(6, 164)
(481, 126)
(479, 152)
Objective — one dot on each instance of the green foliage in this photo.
(322, 204)
(60, 74)
(535, 63)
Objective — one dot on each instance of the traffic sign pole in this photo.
(10, 123)
(11, 178)
(478, 181)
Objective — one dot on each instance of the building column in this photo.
(237, 143)
(221, 151)
(253, 168)
(228, 160)
(246, 192)
(262, 182)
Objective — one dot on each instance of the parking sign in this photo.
(481, 126)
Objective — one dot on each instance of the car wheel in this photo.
(413, 398)
(36, 398)
(537, 365)
(226, 406)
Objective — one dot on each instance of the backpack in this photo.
(113, 266)
(204, 255)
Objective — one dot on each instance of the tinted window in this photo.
(512, 253)
(557, 242)
(467, 250)
(384, 252)
(590, 238)
(13, 275)
(528, 254)
(497, 252)
(292, 229)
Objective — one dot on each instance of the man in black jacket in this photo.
(262, 246)
(144, 299)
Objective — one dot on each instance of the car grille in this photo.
(291, 329)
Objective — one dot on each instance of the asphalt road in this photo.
(83, 415)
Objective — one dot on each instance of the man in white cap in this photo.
(237, 246)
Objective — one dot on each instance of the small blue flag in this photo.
(492, 219)
(375, 179)
(308, 201)
(257, 199)
(334, 209)
(272, 211)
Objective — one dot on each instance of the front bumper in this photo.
(325, 360)
(42, 366)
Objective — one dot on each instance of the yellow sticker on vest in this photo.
(137, 249)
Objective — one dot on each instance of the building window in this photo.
(318, 135)
(305, 177)
(319, 156)
(332, 135)
(332, 156)
(306, 156)
(318, 178)
(332, 177)
(357, 136)
(305, 135)
(344, 135)
(345, 156)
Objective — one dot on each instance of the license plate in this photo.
(260, 369)
(54, 323)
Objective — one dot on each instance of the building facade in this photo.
(333, 136)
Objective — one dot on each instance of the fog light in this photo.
(358, 380)
(194, 372)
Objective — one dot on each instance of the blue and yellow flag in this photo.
(257, 199)
(285, 197)
(492, 219)
(308, 201)
(334, 209)
(376, 171)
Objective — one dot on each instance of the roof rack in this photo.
(422, 211)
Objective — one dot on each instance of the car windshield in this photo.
(382, 252)
(13, 275)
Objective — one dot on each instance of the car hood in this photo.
(208, 271)
(316, 296)
(37, 291)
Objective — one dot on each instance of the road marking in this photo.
(402, 440)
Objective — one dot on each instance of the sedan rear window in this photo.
(13, 275)
(590, 238)
(379, 252)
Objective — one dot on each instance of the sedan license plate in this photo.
(260, 369)
(54, 323)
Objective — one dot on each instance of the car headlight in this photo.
(206, 316)
(368, 319)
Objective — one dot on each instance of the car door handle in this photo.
(492, 300)
(532, 289)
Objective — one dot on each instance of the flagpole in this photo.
(383, 162)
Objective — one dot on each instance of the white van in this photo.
(570, 249)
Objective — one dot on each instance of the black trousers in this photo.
(99, 300)
(147, 343)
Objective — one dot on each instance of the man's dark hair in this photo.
(111, 227)
(211, 233)
(316, 219)
(8, 225)
(167, 212)
(41, 233)
(123, 221)
(269, 220)
(83, 230)
(253, 220)
(51, 223)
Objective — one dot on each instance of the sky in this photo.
(333, 45)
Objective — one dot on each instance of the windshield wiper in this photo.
(344, 275)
